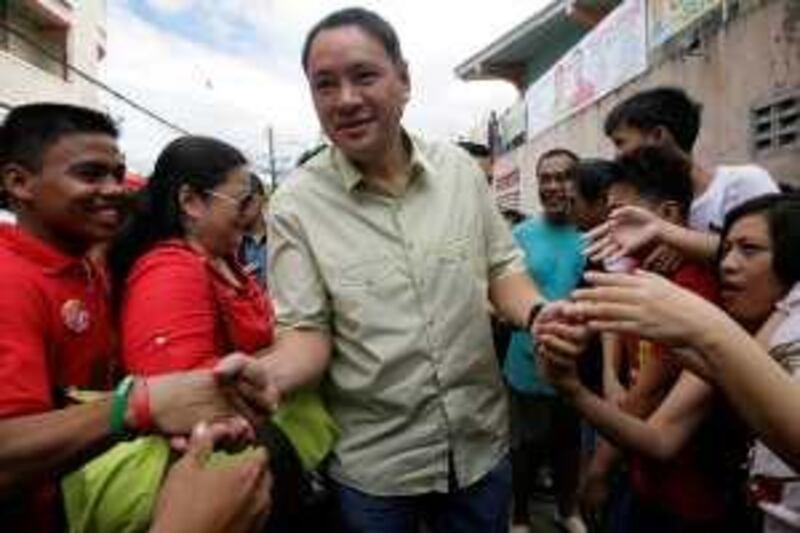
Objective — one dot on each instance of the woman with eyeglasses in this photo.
(183, 299)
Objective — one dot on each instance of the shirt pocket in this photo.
(454, 264)
(369, 291)
(458, 293)
(366, 274)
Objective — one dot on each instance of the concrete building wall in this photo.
(735, 64)
(22, 81)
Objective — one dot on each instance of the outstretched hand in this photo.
(561, 340)
(627, 230)
(644, 304)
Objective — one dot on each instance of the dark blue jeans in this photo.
(482, 507)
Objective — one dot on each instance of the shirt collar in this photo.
(352, 177)
(27, 245)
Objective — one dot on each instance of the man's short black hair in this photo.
(594, 176)
(368, 21)
(658, 174)
(782, 213)
(28, 130)
(668, 107)
(556, 152)
(475, 149)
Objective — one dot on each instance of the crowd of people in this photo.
(375, 347)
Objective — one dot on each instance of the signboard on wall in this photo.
(608, 57)
(506, 183)
(666, 18)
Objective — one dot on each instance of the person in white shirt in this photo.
(7, 216)
(667, 116)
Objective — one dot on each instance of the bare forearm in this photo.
(621, 429)
(299, 359)
(762, 392)
(611, 364)
(512, 297)
(50, 444)
(693, 244)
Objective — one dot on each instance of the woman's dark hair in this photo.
(782, 213)
(593, 177)
(200, 163)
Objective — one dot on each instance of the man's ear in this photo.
(663, 136)
(17, 183)
(405, 77)
(671, 212)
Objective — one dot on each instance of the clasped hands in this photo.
(643, 304)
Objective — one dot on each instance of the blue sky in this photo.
(229, 30)
(231, 68)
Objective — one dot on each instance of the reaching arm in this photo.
(631, 228)
(513, 296)
(299, 359)
(663, 434)
(692, 244)
(760, 389)
(287, 369)
(50, 444)
(612, 359)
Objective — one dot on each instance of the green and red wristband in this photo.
(136, 393)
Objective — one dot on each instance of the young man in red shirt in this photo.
(683, 488)
(62, 173)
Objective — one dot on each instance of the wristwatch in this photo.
(536, 308)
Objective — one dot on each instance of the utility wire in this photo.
(91, 79)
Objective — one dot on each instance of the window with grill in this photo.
(27, 33)
(775, 124)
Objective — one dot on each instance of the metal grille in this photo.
(775, 124)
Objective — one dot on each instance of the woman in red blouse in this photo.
(183, 300)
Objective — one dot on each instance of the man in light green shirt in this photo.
(383, 251)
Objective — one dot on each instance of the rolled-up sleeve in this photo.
(295, 281)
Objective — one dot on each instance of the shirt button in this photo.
(160, 340)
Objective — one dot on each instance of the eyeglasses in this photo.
(243, 203)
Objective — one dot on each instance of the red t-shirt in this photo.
(696, 484)
(55, 332)
(179, 313)
(692, 276)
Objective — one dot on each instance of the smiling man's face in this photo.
(359, 92)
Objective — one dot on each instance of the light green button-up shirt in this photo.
(400, 285)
